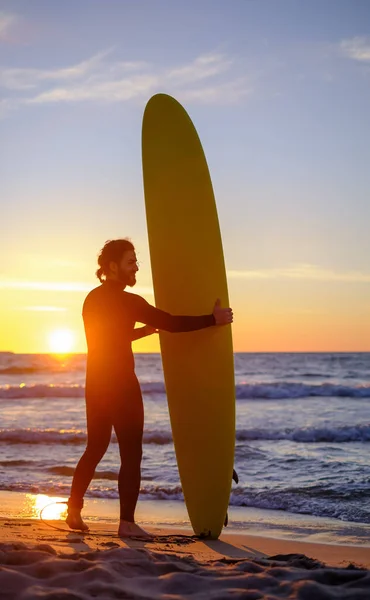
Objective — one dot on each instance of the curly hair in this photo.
(112, 251)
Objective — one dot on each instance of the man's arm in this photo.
(145, 313)
(141, 332)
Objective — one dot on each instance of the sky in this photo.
(279, 92)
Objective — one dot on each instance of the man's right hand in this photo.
(223, 316)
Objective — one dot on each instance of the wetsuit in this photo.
(113, 396)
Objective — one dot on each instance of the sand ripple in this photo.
(41, 573)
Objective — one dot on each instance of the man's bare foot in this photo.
(129, 529)
(74, 520)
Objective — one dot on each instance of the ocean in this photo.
(302, 435)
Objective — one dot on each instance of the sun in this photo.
(61, 341)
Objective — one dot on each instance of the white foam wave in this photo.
(69, 436)
(319, 503)
(157, 437)
(63, 391)
(42, 436)
(285, 390)
(300, 501)
(59, 488)
(244, 391)
(42, 391)
(354, 433)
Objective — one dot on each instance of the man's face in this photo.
(127, 268)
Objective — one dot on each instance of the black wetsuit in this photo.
(113, 396)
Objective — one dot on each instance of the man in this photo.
(113, 396)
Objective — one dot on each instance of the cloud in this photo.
(209, 78)
(357, 48)
(203, 67)
(7, 20)
(25, 79)
(105, 91)
(303, 272)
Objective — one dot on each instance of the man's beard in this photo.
(125, 279)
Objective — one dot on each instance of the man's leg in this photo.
(128, 424)
(99, 430)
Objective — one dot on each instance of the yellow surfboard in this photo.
(188, 276)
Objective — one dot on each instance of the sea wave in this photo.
(17, 463)
(41, 391)
(65, 471)
(293, 500)
(260, 391)
(301, 501)
(346, 433)
(60, 470)
(306, 435)
(75, 390)
(288, 390)
(59, 488)
(22, 370)
(69, 436)
(42, 436)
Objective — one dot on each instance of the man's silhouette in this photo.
(113, 396)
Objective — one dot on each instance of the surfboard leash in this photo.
(159, 538)
(176, 538)
(60, 528)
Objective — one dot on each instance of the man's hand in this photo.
(223, 316)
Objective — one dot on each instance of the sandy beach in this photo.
(46, 560)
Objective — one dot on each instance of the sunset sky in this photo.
(280, 94)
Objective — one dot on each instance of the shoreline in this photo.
(163, 514)
(180, 541)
